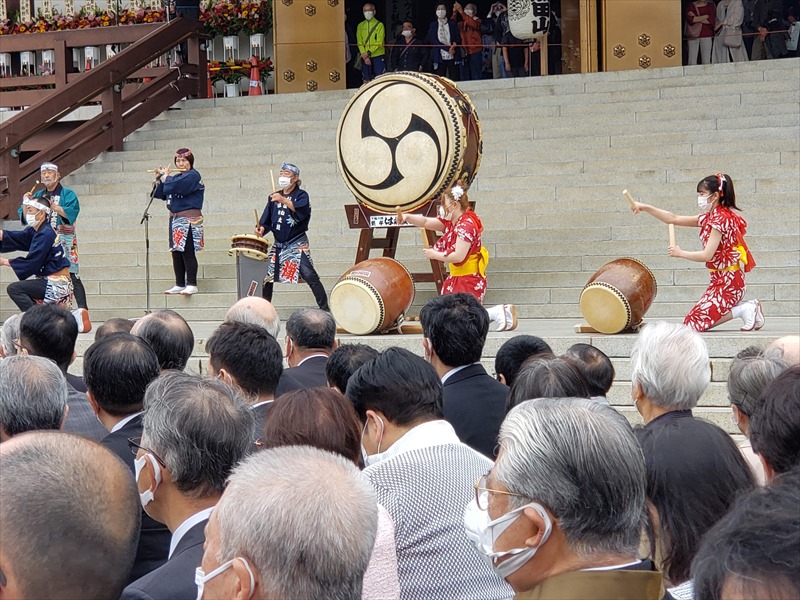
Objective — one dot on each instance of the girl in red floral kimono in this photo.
(724, 252)
(460, 247)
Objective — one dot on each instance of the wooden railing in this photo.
(122, 108)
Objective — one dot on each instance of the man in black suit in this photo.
(194, 431)
(310, 339)
(169, 335)
(454, 327)
(51, 331)
(69, 518)
(117, 370)
(248, 357)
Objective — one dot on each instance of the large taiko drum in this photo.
(371, 296)
(404, 138)
(618, 295)
(249, 245)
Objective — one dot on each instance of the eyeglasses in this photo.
(135, 444)
(482, 492)
(20, 348)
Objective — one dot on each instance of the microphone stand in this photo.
(146, 221)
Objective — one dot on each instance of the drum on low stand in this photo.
(618, 295)
(372, 296)
(251, 266)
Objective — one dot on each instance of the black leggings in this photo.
(185, 263)
(79, 291)
(308, 273)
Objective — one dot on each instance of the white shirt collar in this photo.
(614, 567)
(124, 422)
(452, 372)
(261, 403)
(311, 356)
(432, 433)
(186, 526)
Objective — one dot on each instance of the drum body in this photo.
(371, 296)
(404, 138)
(618, 295)
(529, 19)
(249, 245)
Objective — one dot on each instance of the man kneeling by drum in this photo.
(287, 215)
(460, 247)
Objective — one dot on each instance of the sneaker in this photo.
(749, 316)
(175, 289)
(511, 316)
(189, 290)
(760, 320)
(82, 318)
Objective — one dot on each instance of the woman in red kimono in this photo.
(724, 252)
(460, 247)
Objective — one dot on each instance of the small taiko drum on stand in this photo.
(249, 245)
(372, 296)
(618, 295)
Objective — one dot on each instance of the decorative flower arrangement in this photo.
(142, 15)
(82, 20)
(232, 18)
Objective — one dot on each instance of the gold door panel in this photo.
(309, 67)
(641, 34)
(301, 21)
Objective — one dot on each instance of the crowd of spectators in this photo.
(296, 467)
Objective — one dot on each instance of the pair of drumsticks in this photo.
(632, 202)
(274, 189)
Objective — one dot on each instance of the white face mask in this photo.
(703, 203)
(284, 181)
(147, 496)
(483, 533)
(372, 459)
(368, 14)
(441, 13)
(469, 11)
(407, 33)
(30, 220)
(200, 578)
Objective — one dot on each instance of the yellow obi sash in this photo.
(731, 268)
(475, 264)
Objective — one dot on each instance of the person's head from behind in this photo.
(717, 188)
(747, 378)
(344, 361)
(556, 453)
(169, 335)
(255, 311)
(547, 377)
(693, 478)
(194, 431)
(309, 331)
(596, 368)
(115, 325)
(246, 356)
(117, 371)
(82, 541)
(514, 352)
(790, 348)
(775, 424)
(33, 395)
(318, 417)
(50, 331)
(307, 533)
(754, 550)
(393, 393)
(454, 327)
(670, 369)
(9, 335)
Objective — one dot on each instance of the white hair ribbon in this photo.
(457, 192)
(36, 205)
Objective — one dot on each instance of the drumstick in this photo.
(34, 186)
(671, 234)
(629, 198)
(272, 176)
(255, 214)
(400, 218)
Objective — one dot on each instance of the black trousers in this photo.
(23, 293)
(308, 273)
(79, 291)
(449, 69)
(185, 263)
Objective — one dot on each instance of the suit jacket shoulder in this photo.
(175, 579)
(307, 375)
(81, 419)
(117, 441)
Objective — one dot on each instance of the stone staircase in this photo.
(557, 153)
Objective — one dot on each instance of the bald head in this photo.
(69, 511)
(252, 310)
(169, 335)
(790, 344)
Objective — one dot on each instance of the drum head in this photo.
(403, 138)
(605, 308)
(357, 306)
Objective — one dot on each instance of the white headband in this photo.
(37, 205)
(48, 167)
(457, 192)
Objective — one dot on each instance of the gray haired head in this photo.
(670, 363)
(750, 375)
(306, 518)
(244, 312)
(33, 394)
(8, 333)
(200, 428)
(580, 459)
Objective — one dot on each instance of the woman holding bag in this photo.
(728, 44)
(700, 21)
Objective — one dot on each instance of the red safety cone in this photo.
(88, 64)
(255, 78)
